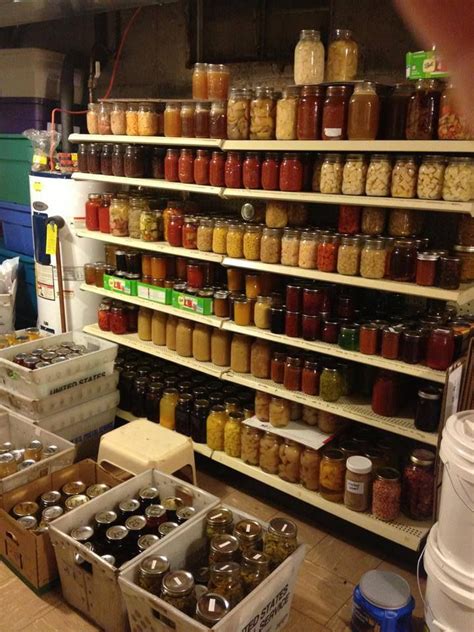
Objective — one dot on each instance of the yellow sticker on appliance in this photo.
(51, 239)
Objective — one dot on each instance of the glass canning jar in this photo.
(294, 295)
(279, 412)
(286, 114)
(250, 444)
(233, 170)
(177, 589)
(335, 112)
(201, 343)
(308, 251)
(262, 406)
(82, 157)
(260, 359)
(404, 177)
(271, 171)
(348, 256)
(310, 378)
(466, 230)
(403, 222)
(391, 337)
(172, 120)
(232, 434)
(290, 456)
(186, 166)
(262, 312)
(201, 120)
(187, 116)
(330, 384)
(199, 81)
(251, 244)
(255, 569)
(184, 338)
(92, 119)
(369, 339)
(218, 120)
(215, 425)
(309, 58)
(394, 112)
(440, 349)
(217, 169)
(292, 373)
(148, 225)
(270, 245)
(168, 403)
(423, 111)
(220, 348)
(386, 394)
(240, 353)
(358, 483)
(253, 285)
(190, 232)
(251, 169)
(364, 112)
(218, 77)
(280, 541)
(379, 175)
(466, 256)
(327, 253)
(428, 409)
(171, 165)
(458, 185)
(431, 177)
(349, 337)
(269, 453)
(332, 475)
(451, 125)
(343, 53)
(147, 119)
(134, 162)
(403, 261)
(310, 113)
(175, 230)
(290, 247)
(103, 120)
(331, 174)
(354, 175)
(386, 494)
(93, 157)
(348, 220)
(372, 260)
(119, 217)
(238, 114)
(106, 159)
(310, 464)
(373, 220)
(204, 234)
(426, 265)
(262, 114)
(234, 241)
(418, 485)
(219, 237)
(291, 173)
(131, 118)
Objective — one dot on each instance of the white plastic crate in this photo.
(56, 378)
(265, 609)
(93, 588)
(37, 409)
(20, 432)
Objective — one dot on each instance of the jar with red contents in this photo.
(131, 316)
(391, 337)
(271, 172)
(104, 213)
(335, 113)
(369, 339)
(171, 165)
(440, 349)
(313, 299)
(310, 378)
(233, 170)
(186, 166)
(190, 232)
(386, 394)
(329, 331)
(278, 367)
(291, 173)
(118, 320)
(103, 315)
(251, 170)
(181, 264)
(175, 230)
(426, 265)
(292, 324)
(201, 167)
(418, 485)
(345, 308)
(310, 112)
(310, 327)
(106, 160)
(292, 376)
(92, 211)
(294, 295)
(195, 275)
(201, 120)
(217, 169)
(403, 260)
(349, 219)
(327, 253)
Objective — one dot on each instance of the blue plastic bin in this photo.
(17, 232)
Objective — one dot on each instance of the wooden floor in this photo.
(338, 554)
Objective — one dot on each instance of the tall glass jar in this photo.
(310, 113)
(348, 256)
(343, 54)
(403, 261)
(233, 170)
(330, 385)
(327, 253)
(279, 412)
(404, 177)
(386, 394)
(201, 343)
(354, 175)
(379, 175)
(218, 120)
(250, 444)
(269, 453)
(286, 114)
(240, 353)
(308, 251)
(309, 58)
(184, 338)
(92, 118)
(104, 126)
(418, 485)
(290, 246)
(251, 243)
(270, 245)
(290, 456)
(372, 261)
(217, 169)
(394, 112)
(335, 113)
(232, 434)
(386, 494)
(440, 349)
(310, 463)
(216, 423)
(262, 114)
(187, 115)
(458, 185)
(403, 222)
(147, 120)
(364, 111)
(451, 125)
(291, 172)
(118, 121)
(431, 177)
(238, 114)
(260, 359)
(217, 81)
(131, 118)
(332, 475)
(423, 111)
(199, 81)
(171, 326)
(331, 174)
(251, 169)
(172, 120)
(168, 403)
(220, 348)
(373, 220)
(201, 120)
(119, 217)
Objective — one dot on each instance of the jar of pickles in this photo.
(262, 114)
(330, 385)
(379, 175)
(238, 114)
(286, 114)
(332, 475)
(119, 217)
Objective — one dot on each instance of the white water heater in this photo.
(57, 195)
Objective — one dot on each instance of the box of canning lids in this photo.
(161, 295)
(29, 554)
(92, 587)
(120, 285)
(425, 64)
(265, 609)
(190, 303)
(17, 434)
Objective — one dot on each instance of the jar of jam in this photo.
(310, 327)
(449, 273)
(251, 170)
(335, 112)
(201, 167)
(221, 303)
(217, 169)
(187, 120)
(186, 166)
(292, 374)
(277, 320)
(92, 211)
(104, 315)
(418, 485)
(293, 324)
(233, 170)
(118, 321)
(403, 260)
(312, 300)
(391, 337)
(291, 173)
(364, 109)
(171, 165)
(310, 112)
(133, 162)
(426, 266)
(329, 331)
(310, 378)
(195, 275)
(369, 339)
(201, 120)
(428, 409)
(270, 172)
(440, 349)
(423, 111)
(386, 394)
(413, 347)
(218, 120)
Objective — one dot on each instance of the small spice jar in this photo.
(418, 485)
(386, 494)
(358, 483)
(332, 475)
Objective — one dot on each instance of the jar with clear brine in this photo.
(372, 261)
(364, 111)
(279, 412)
(348, 256)
(354, 175)
(430, 178)
(238, 114)
(343, 54)
(458, 183)
(262, 114)
(331, 174)
(332, 475)
(250, 445)
(423, 111)
(404, 177)
(373, 220)
(270, 245)
(309, 58)
(269, 457)
(286, 112)
(290, 456)
(379, 175)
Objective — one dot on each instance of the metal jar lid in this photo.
(82, 534)
(117, 533)
(155, 565)
(135, 523)
(97, 489)
(145, 541)
(185, 513)
(6, 446)
(149, 493)
(224, 544)
(105, 517)
(73, 487)
(51, 513)
(228, 569)
(256, 558)
(178, 583)
(211, 608)
(49, 450)
(172, 503)
(219, 516)
(26, 508)
(28, 522)
(421, 456)
(76, 501)
(282, 528)
(26, 464)
(166, 527)
(430, 392)
(110, 559)
(155, 511)
(129, 505)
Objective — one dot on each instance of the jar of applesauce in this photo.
(240, 353)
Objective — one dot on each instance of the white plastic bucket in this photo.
(456, 510)
(449, 596)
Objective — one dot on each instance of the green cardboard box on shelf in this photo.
(153, 293)
(195, 304)
(425, 64)
(119, 285)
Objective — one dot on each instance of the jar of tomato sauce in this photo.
(175, 230)
(292, 374)
(201, 167)
(368, 339)
(335, 112)
(186, 166)
(310, 111)
(270, 171)
(310, 378)
(92, 211)
(251, 170)
(233, 170)
(173, 207)
(386, 394)
(217, 169)
(171, 165)
(291, 172)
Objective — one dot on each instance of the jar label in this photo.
(354, 488)
(332, 131)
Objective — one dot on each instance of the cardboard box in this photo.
(194, 304)
(154, 293)
(31, 555)
(120, 285)
(425, 64)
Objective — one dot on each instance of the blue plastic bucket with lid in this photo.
(382, 602)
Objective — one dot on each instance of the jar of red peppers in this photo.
(92, 211)
(327, 253)
(386, 494)
(175, 230)
(171, 165)
(233, 170)
(104, 314)
(386, 394)
(217, 169)
(186, 166)
(201, 167)
(310, 112)
(335, 111)
(118, 320)
(418, 485)
(291, 172)
(349, 219)
(251, 170)
(271, 171)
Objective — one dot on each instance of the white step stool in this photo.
(141, 445)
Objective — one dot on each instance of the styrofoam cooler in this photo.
(88, 388)
(93, 588)
(456, 510)
(265, 609)
(49, 380)
(20, 432)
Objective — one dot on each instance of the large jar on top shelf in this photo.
(343, 54)
(423, 111)
(335, 112)
(309, 58)
(310, 112)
